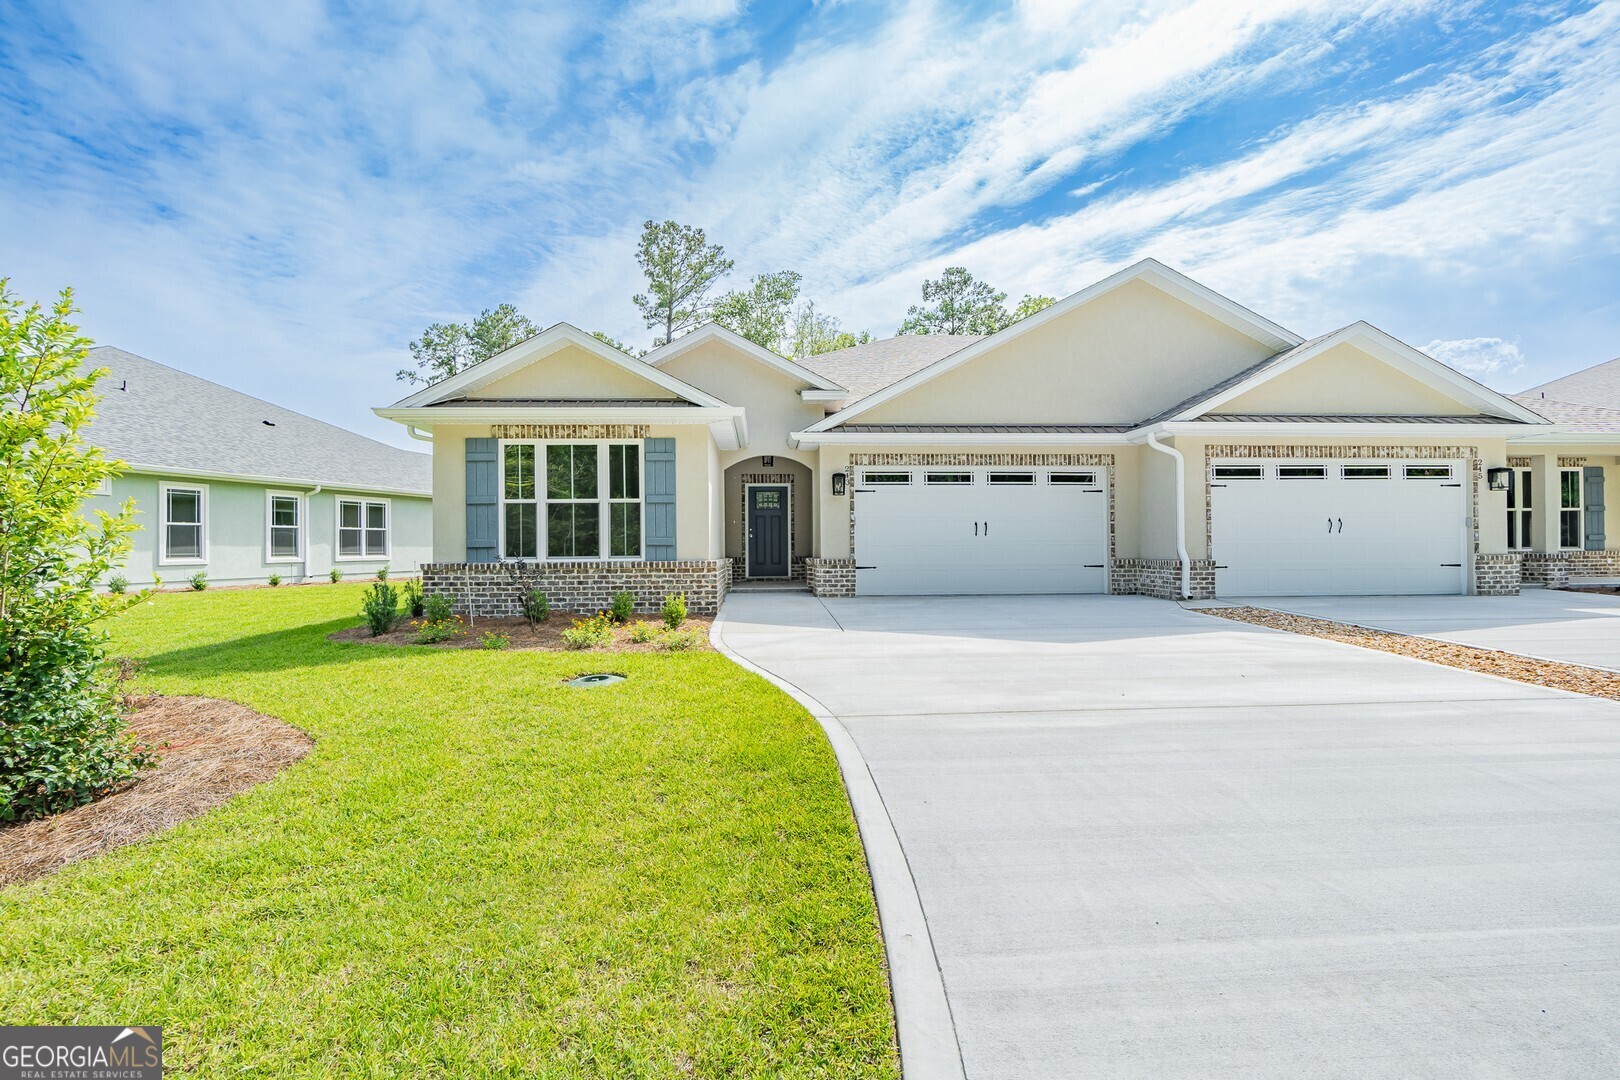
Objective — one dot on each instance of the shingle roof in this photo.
(1597, 385)
(161, 418)
(1580, 416)
(866, 369)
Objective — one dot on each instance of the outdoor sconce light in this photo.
(1498, 479)
(838, 483)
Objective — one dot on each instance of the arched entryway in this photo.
(778, 491)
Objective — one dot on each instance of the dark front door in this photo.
(768, 532)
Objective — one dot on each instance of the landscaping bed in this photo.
(208, 751)
(1550, 673)
(545, 636)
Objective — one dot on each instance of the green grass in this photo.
(476, 872)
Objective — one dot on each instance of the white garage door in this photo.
(1347, 528)
(942, 531)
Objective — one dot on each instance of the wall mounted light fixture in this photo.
(1498, 479)
(838, 483)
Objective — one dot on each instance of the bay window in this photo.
(587, 505)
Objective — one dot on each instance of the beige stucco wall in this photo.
(1344, 379)
(1545, 463)
(770, 396)
(1120, 359)
(572, 372)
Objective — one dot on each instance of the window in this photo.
(184, 509)
(883, 478)
(1428, 472)
(1012, 478)
(1302, 472)
(1569, 508)
(362, 528)
(1520, 500)
(1240, 472)
(1072, 478)
(285, 517)
(953, 478)
(587, 506)
(1365, 472)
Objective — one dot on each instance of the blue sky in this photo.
(281, 196)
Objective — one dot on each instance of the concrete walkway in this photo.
(1577, 628)
(1152, 843)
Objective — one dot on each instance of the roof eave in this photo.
(147, 469)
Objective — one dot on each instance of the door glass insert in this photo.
(767, 500)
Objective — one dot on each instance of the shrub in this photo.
(624, 605)
(495, 640)
(382, 575)
(590, 632)
(336, 575)
(674, 610)
(118, 584)
(199, 580)
(63, 737)
(536, 607)
(438, 608)
(680, 640)
(413, 598)
(380, 606)
(642, 632)
(431, 633)
(274, 579)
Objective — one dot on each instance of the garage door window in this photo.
(1240, 472)
(1019, 478)
(1366, 472)
(1086, 478)
(886, 478)
(1302, 472)
(1428, 472)
(947, 479)
(1569, 508)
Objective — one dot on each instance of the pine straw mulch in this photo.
(1550, 673)
(546, 637)
(209, 750)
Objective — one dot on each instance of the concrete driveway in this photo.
(1152, 843)
(1575, 627)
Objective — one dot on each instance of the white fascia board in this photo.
(1162, 277)
(823, 395)
(714, 331)
(473, 414)
(811, 438)
(538, 347)
(1562, 437)
(1336, 429)
(132, 468)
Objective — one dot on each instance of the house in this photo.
(240, 489)
(1144, 435)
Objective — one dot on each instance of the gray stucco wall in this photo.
(237, 540)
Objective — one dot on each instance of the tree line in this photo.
(684, 270)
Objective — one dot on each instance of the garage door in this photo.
(945, 531)
(1347, 528)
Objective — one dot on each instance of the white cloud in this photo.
(1481, 357)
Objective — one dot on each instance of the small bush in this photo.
(199, 580)
(536, 607)
(413, 598)
(336, 575)
(680, 640)
(438, 608)
(642, 632)
(494, 640)
(431, 633)
(274, 579)
(382, 575)
(380, 606)
(674, 610)
(118, 584)
(624, 605)
(589, 633)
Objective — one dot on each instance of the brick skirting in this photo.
(492, 589)
(1554, 568)
(1497, 575)
(1161, 578)
(830, 577)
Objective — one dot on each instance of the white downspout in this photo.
(1181, 511)
(416, 433)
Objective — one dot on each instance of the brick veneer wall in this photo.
(830, 577)
(1161, 578)
(492, 589)
(1554, 568)
(1497, 574)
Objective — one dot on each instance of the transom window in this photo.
(1569, 508)
(587, 506)
(286, 534)
(184, 523)
(953, 478)
(362, 528)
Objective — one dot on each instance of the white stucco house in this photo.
(1144, 435)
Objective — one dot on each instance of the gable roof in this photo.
(866, 369)
(713, 331)
(543, 344)
(1172, 282)
(1597, 385)
(161, 419)
(1376, 343)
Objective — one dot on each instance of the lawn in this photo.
(477, 871)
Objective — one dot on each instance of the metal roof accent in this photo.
(985, 429)
(1346, 418)
(562, 403)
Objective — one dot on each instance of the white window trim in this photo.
(164, 559)
(337, 528)
(1579, 510)
(748, 509)
(270, 496)
(104, 488)
(1519, 511)
(603, 486)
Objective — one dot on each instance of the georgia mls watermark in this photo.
(81, 1053)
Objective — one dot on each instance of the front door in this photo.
(767, 531)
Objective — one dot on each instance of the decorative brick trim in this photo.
(1161, 578)
(830, 577)
(1518, 463)
(492, 589)
(569, 431)
(1497, 574)
(1571, 462)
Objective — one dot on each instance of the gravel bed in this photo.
(1573, 677)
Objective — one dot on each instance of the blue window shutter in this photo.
(1592, 496)
(483, 479)
(660, 500)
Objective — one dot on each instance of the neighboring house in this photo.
(238, 488)
(1145, 435)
